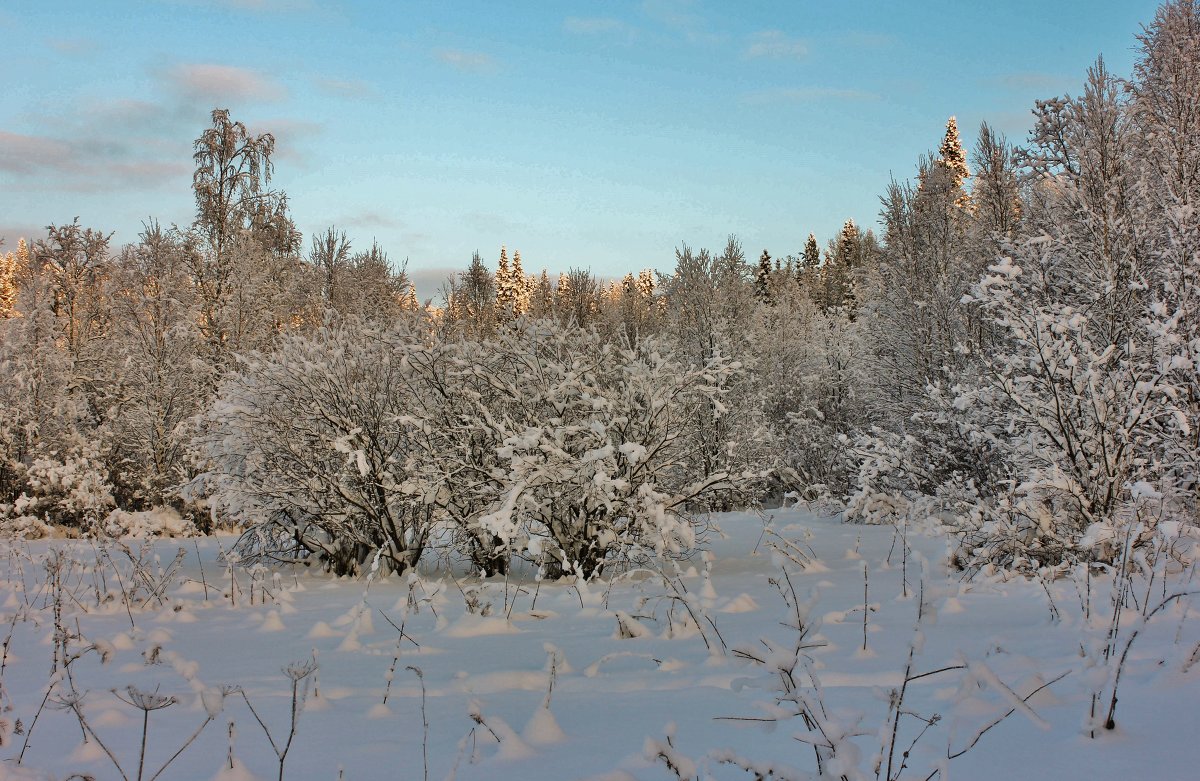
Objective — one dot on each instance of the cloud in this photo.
(214, 84)
(370, 219)
(12, 233)
(260, 6)
(268, 5)
(344, 88)
(21, 154)
(429, 281)
(806, 95)
(776, 45)
(88, 163)
(469, 62)
(683, 17)
(73, 47)
(596, 25)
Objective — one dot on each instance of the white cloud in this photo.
(346, 88)
(472, 62)
(596, 25)
(776, 45)
(807, 94)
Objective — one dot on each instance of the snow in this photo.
(647, 672)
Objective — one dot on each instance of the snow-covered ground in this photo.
(628, 665)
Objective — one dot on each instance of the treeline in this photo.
(1015, 355)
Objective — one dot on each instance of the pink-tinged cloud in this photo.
(20, 154)
(74, 47)
(776, 45)
(223, 83)
(471, 62)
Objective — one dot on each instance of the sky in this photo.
(598, 135)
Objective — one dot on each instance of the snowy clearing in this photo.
(628, 664)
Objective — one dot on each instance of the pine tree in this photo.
(762, 279)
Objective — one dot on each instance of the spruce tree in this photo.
(645, 284)
(520, 286)
(11, 269)
(505, 298)
(952, 157)
(812, 253)
(762, 279)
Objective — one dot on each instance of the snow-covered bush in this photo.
(600, 446)
(311, 443)
(158, 522)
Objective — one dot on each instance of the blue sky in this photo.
(598, 135)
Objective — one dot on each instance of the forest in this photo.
(1015, 354)
(976, 425)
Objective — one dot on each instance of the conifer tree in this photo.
(812, 253)
(10, 272)
(645, 283)
(951, 153)
(953, 159)
(807, 274)
(520, 286)
(762, 279)
(562, 292)
(541, 303)
(505, 298)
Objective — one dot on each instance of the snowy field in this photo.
(651, 675)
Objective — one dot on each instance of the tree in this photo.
(709, 303)
(74, 259)
(844, 262)
(1167, 148)
(330, 257)
(375, 289)
(250, 242)
(160, 381)
(601, 446)
(996, 193)
(311, 444)
(506, 289)
(233, 170)
(519, 285)
(762, 279)
(952, 156)
(13, 267)
(471, 299)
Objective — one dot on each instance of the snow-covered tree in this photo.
(160, 381)
(310, 445)
(601, 446)
(952, 156)
(762, 279)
